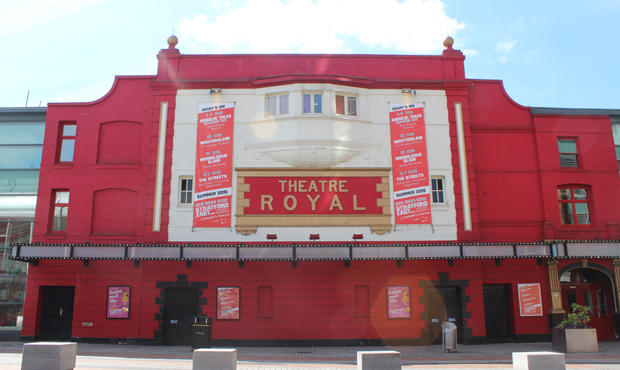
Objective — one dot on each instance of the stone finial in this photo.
(172, 42)
(448, 42)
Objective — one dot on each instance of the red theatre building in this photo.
(320, 200)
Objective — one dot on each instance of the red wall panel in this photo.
(315, 300)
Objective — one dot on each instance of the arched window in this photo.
(574, 202)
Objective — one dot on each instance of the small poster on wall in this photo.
(118, 302)
(228, 303)
(399, 303)
(530, 301)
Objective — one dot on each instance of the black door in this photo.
(57, 313)
(497, 313)
(444, 306)
(180, 307)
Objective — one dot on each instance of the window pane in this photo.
(568, 160)
(271, 105)
(437, 190)
(60, 219)
(183, 184)
(62, 197)
(566, 214)
(68, 130)
(616, 131)
(284, 104)
(66, 151)
(23, 182)
(20, 157)
(307, 102)
(339, 104)
(318, 103)
(564, 194)
(583, 213)
(602, 302)
(580, 194)
(352, 106)
(22, 134)
(567, 146)
(19, 232)
(587, 300)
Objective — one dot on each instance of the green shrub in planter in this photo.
(578, 319)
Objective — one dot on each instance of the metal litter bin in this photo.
(448, 333)
(201, 332)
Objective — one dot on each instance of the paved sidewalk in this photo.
(491, 356)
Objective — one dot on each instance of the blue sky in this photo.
(548, 53)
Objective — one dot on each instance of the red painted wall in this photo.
(130, 100)
(315, 300)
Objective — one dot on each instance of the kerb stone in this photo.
(379, 360)
(215, 358)
(49, 356)
(538, 361)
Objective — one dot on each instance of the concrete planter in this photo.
(574, 340)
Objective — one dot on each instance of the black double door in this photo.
(57, 313)
(497, 313)
(180, 307)
(444, 306)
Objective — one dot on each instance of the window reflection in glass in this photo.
(20, 157)
(339, 104)
(12, 275)
(21, 134)
(602, 302)
(19, 181)
(66, 151)
(566, 214)
(564, 194)
(61, 210)
(587, 300)
(352, 106)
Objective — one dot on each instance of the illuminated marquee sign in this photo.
(277, 197)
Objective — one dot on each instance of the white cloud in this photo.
(323, 26)
(32, 13)
(504, 47)
(470, 52)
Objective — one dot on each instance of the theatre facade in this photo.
(320, 200)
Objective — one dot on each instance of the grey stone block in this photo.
(379, 360)
(538, 361)
(214, 358)
(49, 356)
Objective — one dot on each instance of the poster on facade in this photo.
(118, 302)
(530, 300)
(412, 194)
(228, 303)
(214, 150)
(399, 303)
